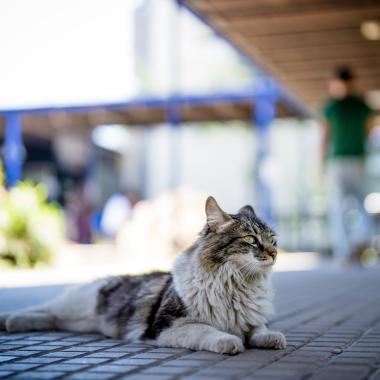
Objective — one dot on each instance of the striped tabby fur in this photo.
(217, 297)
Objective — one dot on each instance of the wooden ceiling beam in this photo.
(357, 63)
(307, 75)
(310, 39)
(303, 21)
(296, 13)
(367, 47)
(238, 8)
(333, 56)
(369, 82)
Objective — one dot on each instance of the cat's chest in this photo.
(233, 311)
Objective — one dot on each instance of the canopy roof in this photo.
(44, 122)
(300, 41)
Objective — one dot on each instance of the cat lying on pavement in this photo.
(216, 298)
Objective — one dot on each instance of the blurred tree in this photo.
(30, 228)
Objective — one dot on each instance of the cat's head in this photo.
(240, 240)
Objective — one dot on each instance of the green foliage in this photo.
(30, 228)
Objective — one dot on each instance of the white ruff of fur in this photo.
(223, 299)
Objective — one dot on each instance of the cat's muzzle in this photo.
(267, 255)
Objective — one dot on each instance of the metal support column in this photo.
(173, 114)
(13, 148)
(263, 114)
(174, 109)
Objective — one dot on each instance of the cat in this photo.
(216, 298)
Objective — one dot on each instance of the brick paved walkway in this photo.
(331, 320)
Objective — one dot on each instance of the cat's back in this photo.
(124, 303)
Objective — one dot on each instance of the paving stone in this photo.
(24, 342)
(103, 343)
(113, 368)
(358, 354)
(82, 349)
(279, 374)
(5, 347)
(6, 358)
(37, 375)
(153, 355)
(184, 363)
(132, 361)
(238, 364)
(330, 374)
(168, 370)
(62, 354)
(364, 361)
(90, 376)
(5, 374)
(61, 343)
(45, 338)
(85, 360)
(170, 350)
(202, 355)
(41, 348)
(106, 354)
(222, 371)
(17, 366)
(38, 360)
(63, 367)
(147, 377)
(208, 376)
(313, 353)
(83, 338)
(331, 344)
(18, 335)
(302, 359)
(375, 375)
(333, 333)
(18, 353)
(318, 348)
(126, 349)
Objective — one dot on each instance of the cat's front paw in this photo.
(228, 344)
(269, 339)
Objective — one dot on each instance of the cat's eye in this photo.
(249, 239)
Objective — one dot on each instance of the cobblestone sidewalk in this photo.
(331, 320)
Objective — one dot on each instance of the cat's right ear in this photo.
(248, 210)
(217, 219)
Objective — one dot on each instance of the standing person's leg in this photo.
(336, 193)
(359, 183)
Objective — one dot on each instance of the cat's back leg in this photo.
(73, 310)
(76, 309)
(30, 321)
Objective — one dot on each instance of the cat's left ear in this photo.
(247, 210)
(217, 219)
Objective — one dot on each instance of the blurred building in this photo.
(149, 50)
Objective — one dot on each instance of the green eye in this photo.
(249, 239)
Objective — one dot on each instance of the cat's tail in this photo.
(31, 319)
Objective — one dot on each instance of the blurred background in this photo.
(118, 118)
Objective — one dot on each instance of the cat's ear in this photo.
(217, 219)
(247, 210)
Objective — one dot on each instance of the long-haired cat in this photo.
(217, 297)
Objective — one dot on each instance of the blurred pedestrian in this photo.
(117, 210)
(346, 128)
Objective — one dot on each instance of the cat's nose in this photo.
(272, 252)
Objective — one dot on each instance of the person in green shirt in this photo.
(346, 128)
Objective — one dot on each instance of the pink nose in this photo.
(271, 252)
